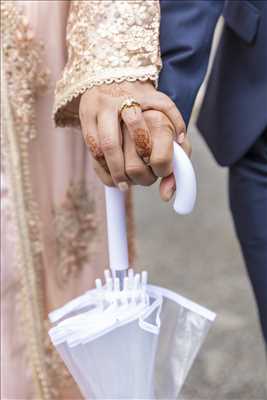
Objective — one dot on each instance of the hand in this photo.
(100, 120)
(158, 159)
(161, 159)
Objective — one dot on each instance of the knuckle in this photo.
(119, 176)
(108, 144)
(102, 98)
(166, 102)
(134, 170)
(88, 104)
(160, 162)
(132, 119)
(181, 125)
(118, 173)
(162, 96)
(170, 106)
(156, 118)
(164, 99)
(82, 111)
(83, 106)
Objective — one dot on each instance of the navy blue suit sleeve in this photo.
(186, 32)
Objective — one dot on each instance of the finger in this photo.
(137, 171)
(89, 130)
(162, 133)
(111, 145)
(137, 127)
(163, 103)
(102, 174)
(167, 187)
(186, 146)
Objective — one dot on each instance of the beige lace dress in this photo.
(53, 219)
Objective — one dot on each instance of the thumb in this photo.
(167, 187)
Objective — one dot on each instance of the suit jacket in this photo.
(234, 111)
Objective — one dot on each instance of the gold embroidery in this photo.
(22, 78)
(58, 372)
(108, 41)
(76, 230)
(23, 68)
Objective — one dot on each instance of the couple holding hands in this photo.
(136, 148)
(127, 72)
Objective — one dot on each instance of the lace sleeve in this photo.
(108, 41)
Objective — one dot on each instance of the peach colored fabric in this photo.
(58, 158)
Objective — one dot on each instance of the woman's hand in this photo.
(123, 144)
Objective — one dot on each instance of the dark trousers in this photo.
(248, 202)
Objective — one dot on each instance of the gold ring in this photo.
(128, 103)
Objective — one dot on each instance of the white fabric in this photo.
(135, 350)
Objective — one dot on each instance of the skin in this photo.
(133, 146)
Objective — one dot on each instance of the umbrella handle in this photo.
(116, 215)
(185, 179)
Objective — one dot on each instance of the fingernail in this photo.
(123, 186)
(181, 137)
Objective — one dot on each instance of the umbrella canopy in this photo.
(111, 349)
(140, 345)
(127, 339)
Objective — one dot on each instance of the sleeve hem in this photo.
(64, 113)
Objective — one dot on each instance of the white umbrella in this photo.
(127, 339)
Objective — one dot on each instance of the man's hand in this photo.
(158, 159)
(134, 147)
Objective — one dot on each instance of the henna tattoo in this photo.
(96, 152)
(143, 143)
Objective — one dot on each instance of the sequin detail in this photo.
(24, 69)
(23, 77)
(108, 41)
(76, 231)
